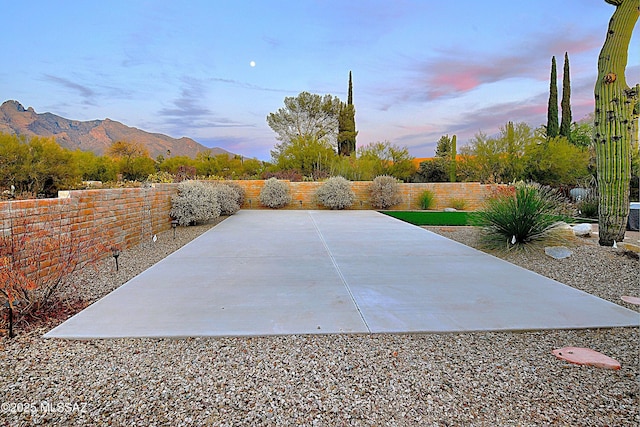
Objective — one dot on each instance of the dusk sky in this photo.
(213, 70)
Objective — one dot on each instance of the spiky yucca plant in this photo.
(529, 215)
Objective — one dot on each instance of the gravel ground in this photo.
(465, 379)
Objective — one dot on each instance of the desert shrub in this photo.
(588, 208)
(195, 202)
(426, 199)
(275, 194)
(385, 192)
(160, 177)
(458, 204)
(228, 199)
(288, 174)
(240, 193)
(433, 170)
(336, 193)
(588, 205)
(514, 220)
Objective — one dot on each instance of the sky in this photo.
(213, 70)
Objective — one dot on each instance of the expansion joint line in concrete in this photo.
(335, 265)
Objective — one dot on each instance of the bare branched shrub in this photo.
(36, 267)
(275, 194)
(336, 193)
(385, 192)
(195, 202)
(290, 175)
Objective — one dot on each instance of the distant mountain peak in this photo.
(13, 104)
(93, 135)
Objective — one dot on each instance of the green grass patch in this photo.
(458, 218)
(432, 217)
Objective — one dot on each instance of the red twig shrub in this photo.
(36, 265)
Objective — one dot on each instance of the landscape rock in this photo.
(630, 299)
(558, 252)
(582, 230)
(578, 194)
(586, 356)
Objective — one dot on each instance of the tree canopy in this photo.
(520, 153)
(37, 166)
(307, 116)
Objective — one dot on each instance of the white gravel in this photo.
(466, 379)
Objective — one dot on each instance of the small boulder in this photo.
(557, 252)
(578, 194)
(450, 210)
(582, 230)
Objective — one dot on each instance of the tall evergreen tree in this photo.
(552, 111)
(565, 124)
(347, 125)
(350, 94)
(443, 149)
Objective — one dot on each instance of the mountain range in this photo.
(93, 135)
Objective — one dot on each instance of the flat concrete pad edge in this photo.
(263, 272)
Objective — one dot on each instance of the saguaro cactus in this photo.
(614, 123)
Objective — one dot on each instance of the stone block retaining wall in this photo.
(128, 216)
(121, 217)
(473, 193)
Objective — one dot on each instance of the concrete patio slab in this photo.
(309, 272)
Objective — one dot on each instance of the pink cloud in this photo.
(572, 43)
(455, 72)
(462, 81)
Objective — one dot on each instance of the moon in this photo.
(252, 63)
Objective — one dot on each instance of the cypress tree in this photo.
(552, 111)
(350, 94)
(565, 124)
(347, 125)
